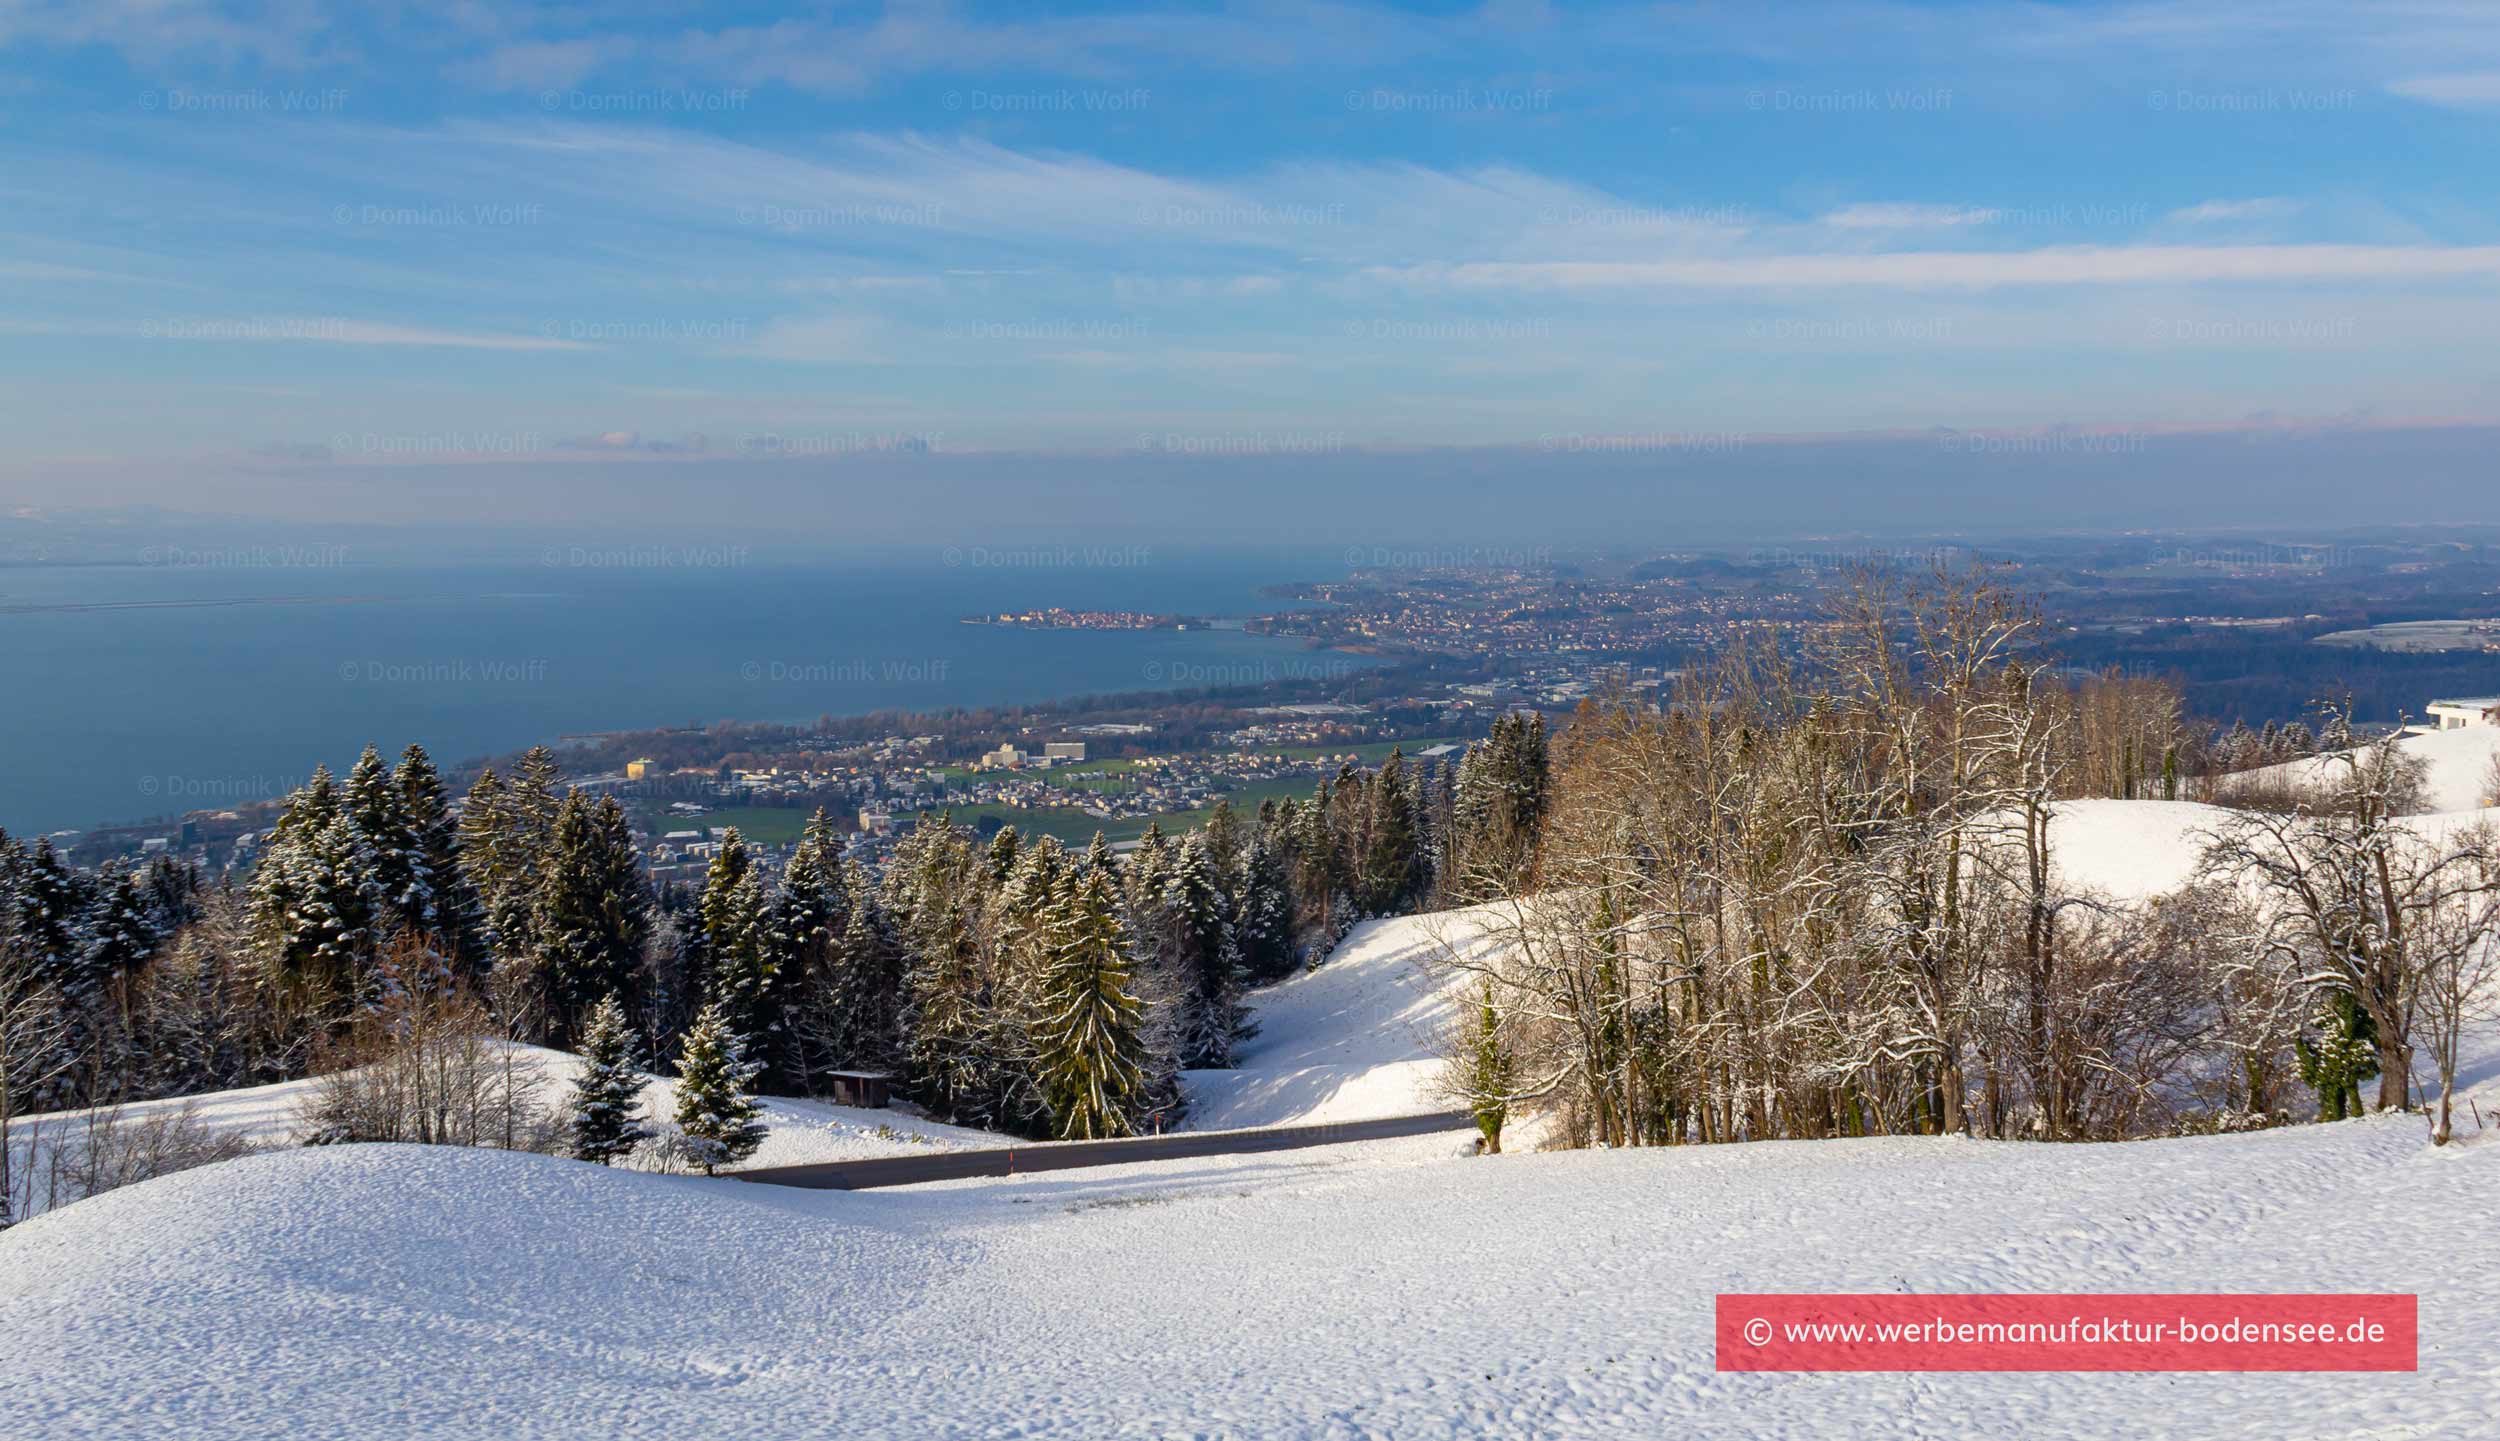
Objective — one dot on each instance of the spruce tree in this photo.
(44, 913)
(867, 993)
(120, 936)
(378, 809)
(440, 901)
(1392, 871)
(721, 1122)
(1091, 1053)
(593, 914)
(741, 967)
(805, 933)
(1263, 915)
(1203, 965)
(607, 1096)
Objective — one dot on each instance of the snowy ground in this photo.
(1384, 1290)
(800, 1130)
(1387, 1289)
(2459, 764)
(1350, 1041)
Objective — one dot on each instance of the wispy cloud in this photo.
(2271, 207)
(1907, 216)
(1980, 270)
(2470, 89)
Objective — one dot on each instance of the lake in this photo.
(208, 677)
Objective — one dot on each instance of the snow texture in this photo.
(802, 1130)
(1395, 1288)
(1392, 1289)
(2459, 764)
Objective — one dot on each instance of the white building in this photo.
(2462, 711)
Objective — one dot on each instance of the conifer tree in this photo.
(1200, 959)
(378, 810)
(741, 964)
(607, 1096)
(593, 914)
(805, 936)
(1000, 857)
(721, 1122)
(1263, 915)
(120, 937)
(1392, 872)
(43, 912)
(868, 979)
(440, 901)
(1091, 1056)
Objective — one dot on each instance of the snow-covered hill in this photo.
(1381, 1289)
(801, 1131)
(1349, 1041)
(1363, 1291)
(2459, 767)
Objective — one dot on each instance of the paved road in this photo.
(1070, 1155)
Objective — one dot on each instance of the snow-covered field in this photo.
(801, 1130)
(1395, 1288)
(1383, 1290)
(1350, 1041)
(2458, 767)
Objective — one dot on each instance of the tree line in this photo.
(1817, 891)
(1010, 982)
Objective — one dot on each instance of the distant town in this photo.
(1424, 658)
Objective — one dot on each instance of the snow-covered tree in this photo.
(593, 914)
(721, 1122)
(1092, 1058)
(607, 1096)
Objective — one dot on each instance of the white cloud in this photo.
(334, 330)
(2270, 207)
(2467, 88)
(1907, 216)
(2073, 265)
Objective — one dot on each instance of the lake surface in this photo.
(141, 690)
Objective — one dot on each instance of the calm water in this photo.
(142, 690)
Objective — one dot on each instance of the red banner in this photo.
(2067, 1333)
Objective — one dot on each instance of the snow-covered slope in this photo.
(1351, 1040)
(2459, 762)
(1363, 1291)
(2130, 849)
(800, 1130)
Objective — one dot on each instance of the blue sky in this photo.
(244, 246)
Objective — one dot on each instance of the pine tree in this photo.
(1091, 1055)
(867, 989)
(2342, 1056)
(1392, 871)
(741, 967)
(1263, 914)
(721, 1122)
(119, 938)
(607, 1096)
(44, 913)
(593, 914)
(1200, 959)
(314, 900)
(378, 810)
(1000, 857)
(440, 901)
(805, 930)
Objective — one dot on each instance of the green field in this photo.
(1374, 752)
(780, 825)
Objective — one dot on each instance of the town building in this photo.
(2460, 712)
